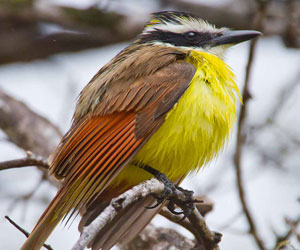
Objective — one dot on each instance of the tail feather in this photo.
(124, 227)
(46, 224)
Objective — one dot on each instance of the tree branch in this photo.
(76, 29)
(27, 129)
(240, 136)
(30, 160)
(203, 234)
(158, 238)
(282, 240)
(203, 208)
(24, 231)
(124, 200)
(176, 219)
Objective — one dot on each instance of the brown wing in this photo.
(99, 146)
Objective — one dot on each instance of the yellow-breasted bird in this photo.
(166, 101)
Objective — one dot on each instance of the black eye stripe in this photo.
(187, 39)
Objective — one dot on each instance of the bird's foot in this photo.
(184, 199)
(174, 195)
(169, 186)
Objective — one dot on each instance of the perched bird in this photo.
(167, 101)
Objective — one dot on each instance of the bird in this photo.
(167, 101)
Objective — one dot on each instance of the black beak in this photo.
(234, 37)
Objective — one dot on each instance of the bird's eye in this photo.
(190, 35)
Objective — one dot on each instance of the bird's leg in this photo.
(185, 200)
(169, 186)
(174, 194)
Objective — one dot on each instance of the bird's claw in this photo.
(174, 194)
(171, 208)
(159, 200)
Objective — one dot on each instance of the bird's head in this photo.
(187, 31)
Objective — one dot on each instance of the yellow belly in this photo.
(195, 130)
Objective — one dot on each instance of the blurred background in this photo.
(50, 49)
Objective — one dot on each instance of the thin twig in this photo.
(240, 135)
(25, 198)
(24, 231)
(282, 239)
(30, 160)
(230, 221)
(282, 97)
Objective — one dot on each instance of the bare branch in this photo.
(30, 160)
(209, 239)
(30, 132)
(281, 240)
(203, 208)
(283, 95)
(124, 200)
(24, 231)
(78, 29)
(27, 129)
(157, 238)
(176, 219)
(197, 225)
(240, 136)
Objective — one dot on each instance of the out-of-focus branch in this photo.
(157, 238)
(281, 100)
(291, 36)
(207, 238)
(30, 160)
(38, 30)
(24, 231)
(282, 240)
(237, 160)
(240, 135)
(27, 129)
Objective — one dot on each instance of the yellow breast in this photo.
(196, 129)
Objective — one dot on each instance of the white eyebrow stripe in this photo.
(183, 27)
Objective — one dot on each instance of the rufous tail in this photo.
(46, 224)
